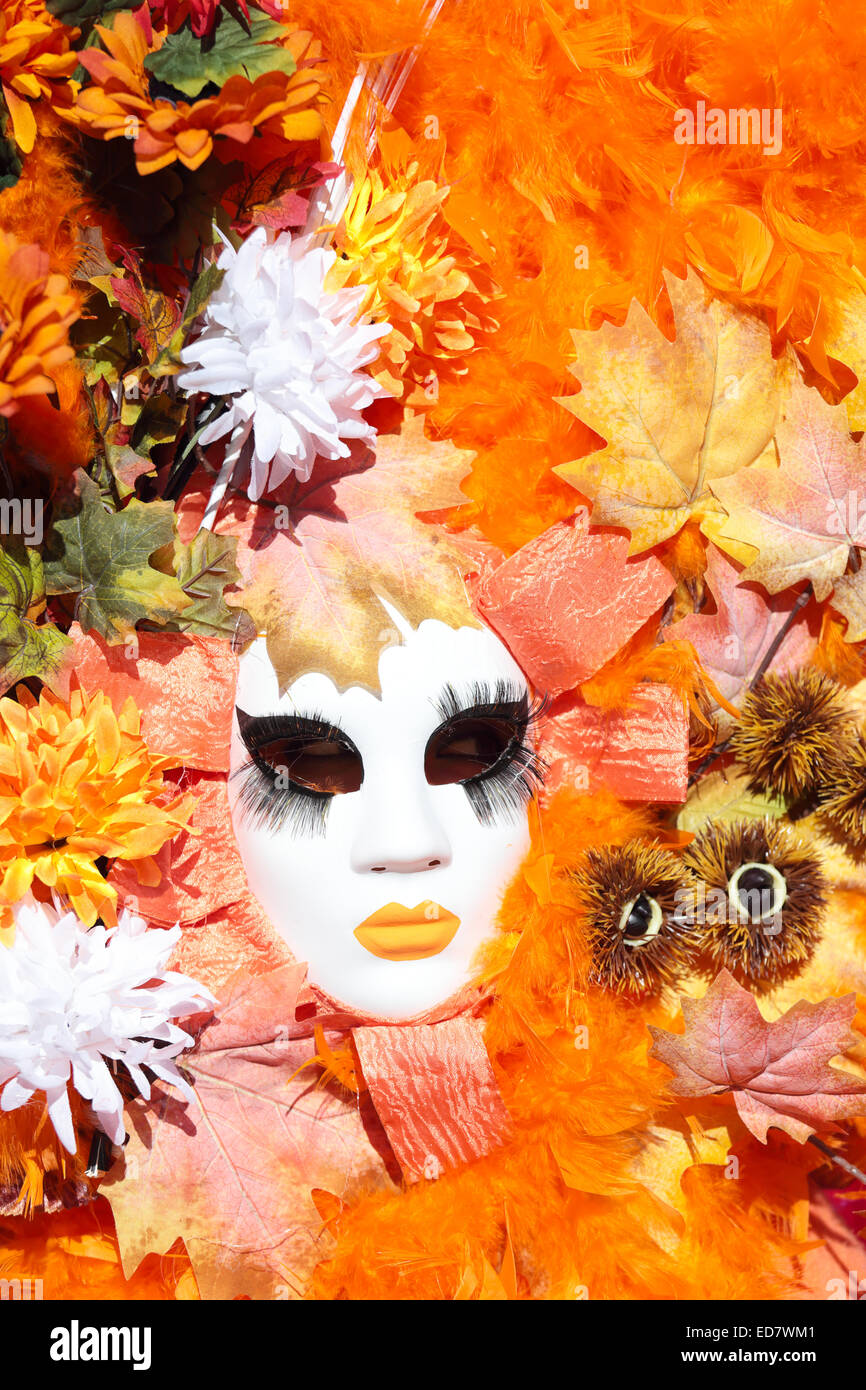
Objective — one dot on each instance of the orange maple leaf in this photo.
(236, 1170)
(779, 1072)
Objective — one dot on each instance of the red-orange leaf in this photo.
(732, 641)
(156, 314)
(237, 1171)
(278, 195)
(779, 1072)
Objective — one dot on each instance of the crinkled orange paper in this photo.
(640, 753)
(434, 1091)
(566, 602)
(184, 687)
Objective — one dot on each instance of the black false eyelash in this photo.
(501, 792)
(256, 730)
(504, 790)
(270, 807)
(504, 700)
(301, 809)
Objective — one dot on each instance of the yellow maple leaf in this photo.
(675, 415)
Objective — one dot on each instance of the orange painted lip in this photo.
(396, 932)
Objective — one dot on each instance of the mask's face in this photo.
(379, 834)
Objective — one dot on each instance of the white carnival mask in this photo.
(378, 834)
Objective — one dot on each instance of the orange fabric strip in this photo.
(640, 754)
(183, 686)
(567, 601)
(434, 1091)
(201, 873)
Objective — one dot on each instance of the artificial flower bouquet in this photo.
(432, 650)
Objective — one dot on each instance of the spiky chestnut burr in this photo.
(634, 896)
(761, 900)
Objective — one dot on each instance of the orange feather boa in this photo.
(561, 1211)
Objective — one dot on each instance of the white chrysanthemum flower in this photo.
(72, 1000)
(290, 355)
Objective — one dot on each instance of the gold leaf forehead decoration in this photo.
(318, 557)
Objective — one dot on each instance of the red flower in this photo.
(202, 14)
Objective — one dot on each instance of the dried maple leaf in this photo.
(676, 416)
(204, 567)
(348, 535)
(732, 641)
(805, 514)
(278, 195)
(103, 557)
(779, 1072)
(124, 463)
(849, 599)
(28, 648)
(234, 1172)
(724, 795)
(157, 316)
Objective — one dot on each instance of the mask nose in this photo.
(398, 829)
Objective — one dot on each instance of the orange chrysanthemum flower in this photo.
(118, 102)
(432, 290)
(36, 309)
(77, 783)
(36, 63)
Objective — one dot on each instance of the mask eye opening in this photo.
(469, 747)
(303, 754)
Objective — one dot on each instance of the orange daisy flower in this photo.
(36, 63)
(77, 783)
(118, 102)
(36, 309)
(431, 289)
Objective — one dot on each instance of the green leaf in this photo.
(103, 338)
(106, 354)
(159, 422)
(10, 159)
(99, 471)
(73, 12)
(27, 648)
(204, 568)
(104, 558)
(725, 796)
(183, 63)
(210, 279)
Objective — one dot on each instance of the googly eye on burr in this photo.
(633, 896)
(761, 898)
